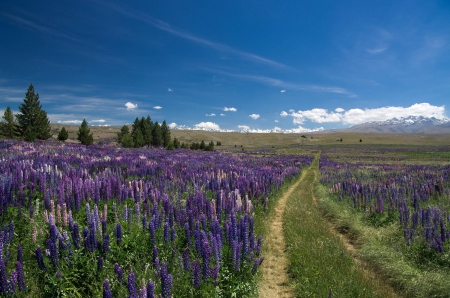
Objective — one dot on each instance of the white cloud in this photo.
(301, 129)
(222, 114)
(169, 90)
(244, 127)
(131, 106)
(254, 116)
(229, 109)
(157, 107)
(276, 121)
(70, 121)
(357, 116)
(98, 121)
(172, 125)
(282, 91)
(206, 126)
(210, 115)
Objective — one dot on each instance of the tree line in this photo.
(32, 123)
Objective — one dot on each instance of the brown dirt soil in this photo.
(275, 280)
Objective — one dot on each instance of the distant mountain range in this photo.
(411, 124)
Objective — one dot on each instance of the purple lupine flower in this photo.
(152, 229)
(40, 259)
(144, 222)
(12, 283)
(106, 290)
(257, 262)
(206, 253)
(188, 233)
(150, 289)
(258, 246)
(19, 253)
(196, 274)
(20, 277)
(186, 260)
(103, 227)
(132, 285)
(215, 272)
(166, 281)
(143, 293)
(106, 244)
(119, 234)
(166, 232)
(3, 278)
(173, 234)
(76, 235)
(54, 255)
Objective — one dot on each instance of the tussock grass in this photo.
(382, 250)
(318, 261)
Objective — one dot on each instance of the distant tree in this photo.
(165, 134)
(340, 140)
(360, 140)
(123, 131)
(146, 128)
(8, 126)
(127, 141)
(210, 146)
(33, 121)
(136, 133)
(171, 146)
(84, 136)
(157, 140)
(176, 143)
(63, 134)
(202, 145)
(218, 143)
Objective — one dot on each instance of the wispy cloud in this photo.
(377, 50)
(282, 91)
(164, 26)
(287, 85)
(157, 107)
(41, 28)
(169, 90)
(222, 114)
(254, 116)
(210, 115)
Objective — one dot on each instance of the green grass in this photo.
(385, 251)
(318, 261)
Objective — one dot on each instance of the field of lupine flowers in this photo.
(101, 221)
(397, 213)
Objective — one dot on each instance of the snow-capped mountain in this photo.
(411, 124)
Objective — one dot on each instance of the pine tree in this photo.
(33, 121)
(165, 133)
(123, 131)
(8, 127)
(136, 133)
(63, 134)
(83, 134)
(157, 135)
(127, 141)
(176, 143)
(146, 128)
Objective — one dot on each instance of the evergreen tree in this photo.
(146, 128)
(127, 141)
(33, 121)
(176, 143)
(157, 135)
(83, 134)
(136, 133)
(210, 146)
(165, 133)
(8, 127)
(63, 134)
(123, 131)
(202, 145)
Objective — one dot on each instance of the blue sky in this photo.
(290, 66)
